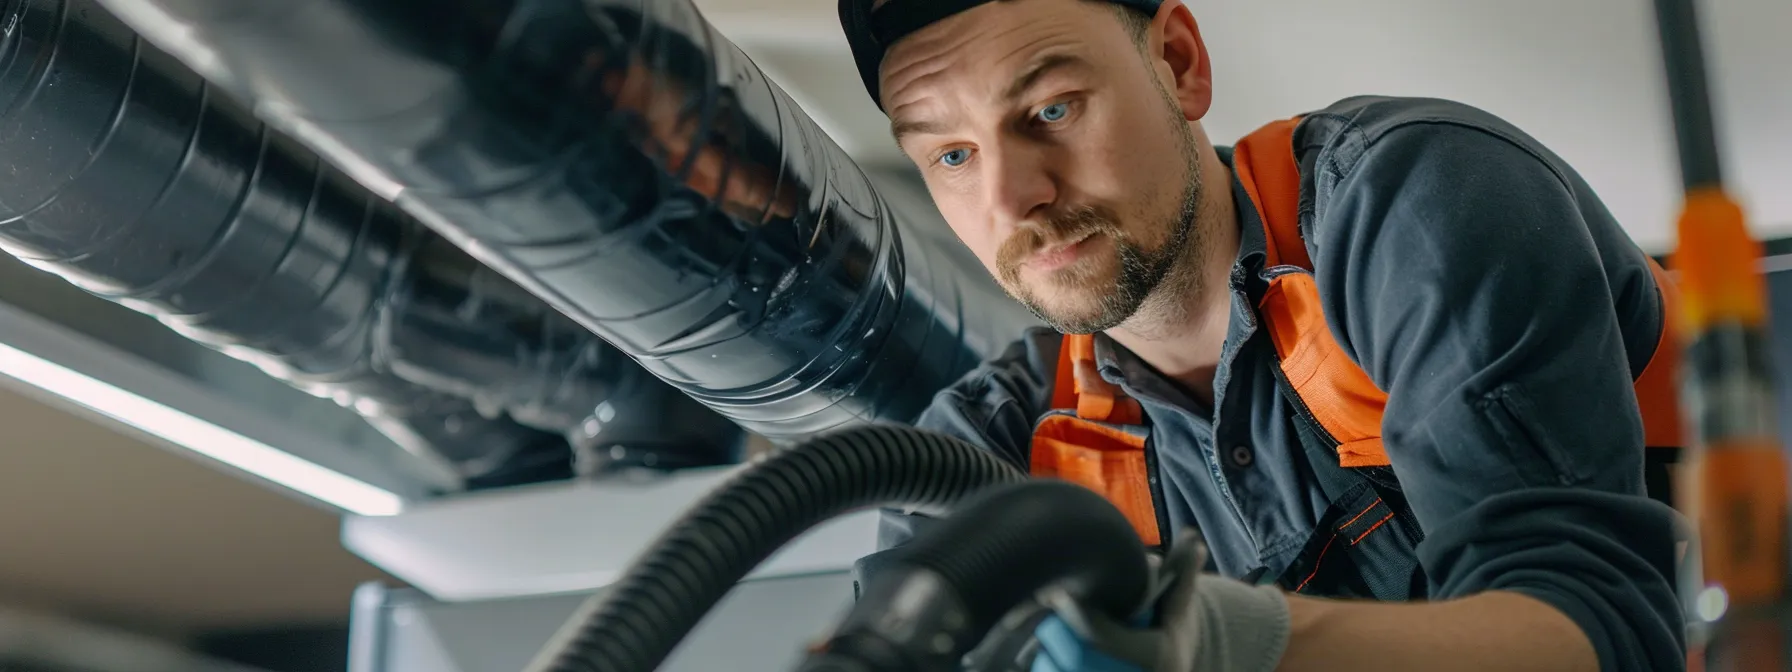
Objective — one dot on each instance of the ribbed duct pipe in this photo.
(625, 162)
(124, 172)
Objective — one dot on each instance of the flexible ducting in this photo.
(124, 172)
(641, 617)
(625, 162)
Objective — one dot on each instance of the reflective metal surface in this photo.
(125, 173)
(626, 163)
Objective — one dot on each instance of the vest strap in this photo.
(1095, 437)
(1326, 383)
(1266, 166)
(1081, 388)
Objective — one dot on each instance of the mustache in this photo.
(1057, 228)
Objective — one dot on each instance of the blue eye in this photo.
(1053, 112)
(956, 157)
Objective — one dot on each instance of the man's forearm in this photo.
(1490, 631)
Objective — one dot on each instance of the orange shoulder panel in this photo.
(1337, 393)
(1658, 388)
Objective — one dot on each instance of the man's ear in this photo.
(1180, 58)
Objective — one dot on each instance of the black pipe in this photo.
(941, 593)
(628, 164)
(640, 618)
(1683, 59)
(124, 172)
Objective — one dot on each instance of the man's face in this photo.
(1054, 150)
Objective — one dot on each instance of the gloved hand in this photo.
(1201, 622)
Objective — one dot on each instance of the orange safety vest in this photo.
(1094, 436)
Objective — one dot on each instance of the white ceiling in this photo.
(1581, 75)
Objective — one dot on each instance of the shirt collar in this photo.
(1253, 248)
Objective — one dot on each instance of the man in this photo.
(1496, 319)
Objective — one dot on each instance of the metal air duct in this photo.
(127, 174)
(625, 162)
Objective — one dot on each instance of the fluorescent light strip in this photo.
(199, 436)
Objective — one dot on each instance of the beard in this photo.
(1100, 292)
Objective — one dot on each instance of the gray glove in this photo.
(1205, 622)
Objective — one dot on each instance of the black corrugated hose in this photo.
(637, 622)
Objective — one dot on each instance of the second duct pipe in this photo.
(625, 162)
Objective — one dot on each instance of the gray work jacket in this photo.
(1479, 281)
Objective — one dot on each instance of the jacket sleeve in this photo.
(1465, 269)
(993, 407)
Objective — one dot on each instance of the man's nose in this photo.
(1021, 184)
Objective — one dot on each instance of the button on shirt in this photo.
(1480, 283)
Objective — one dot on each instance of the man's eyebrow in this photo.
(1038, 69)
(1035, 71)
(902, 128)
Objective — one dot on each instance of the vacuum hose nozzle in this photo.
(946, 589)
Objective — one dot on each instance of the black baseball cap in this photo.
(871, 32)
